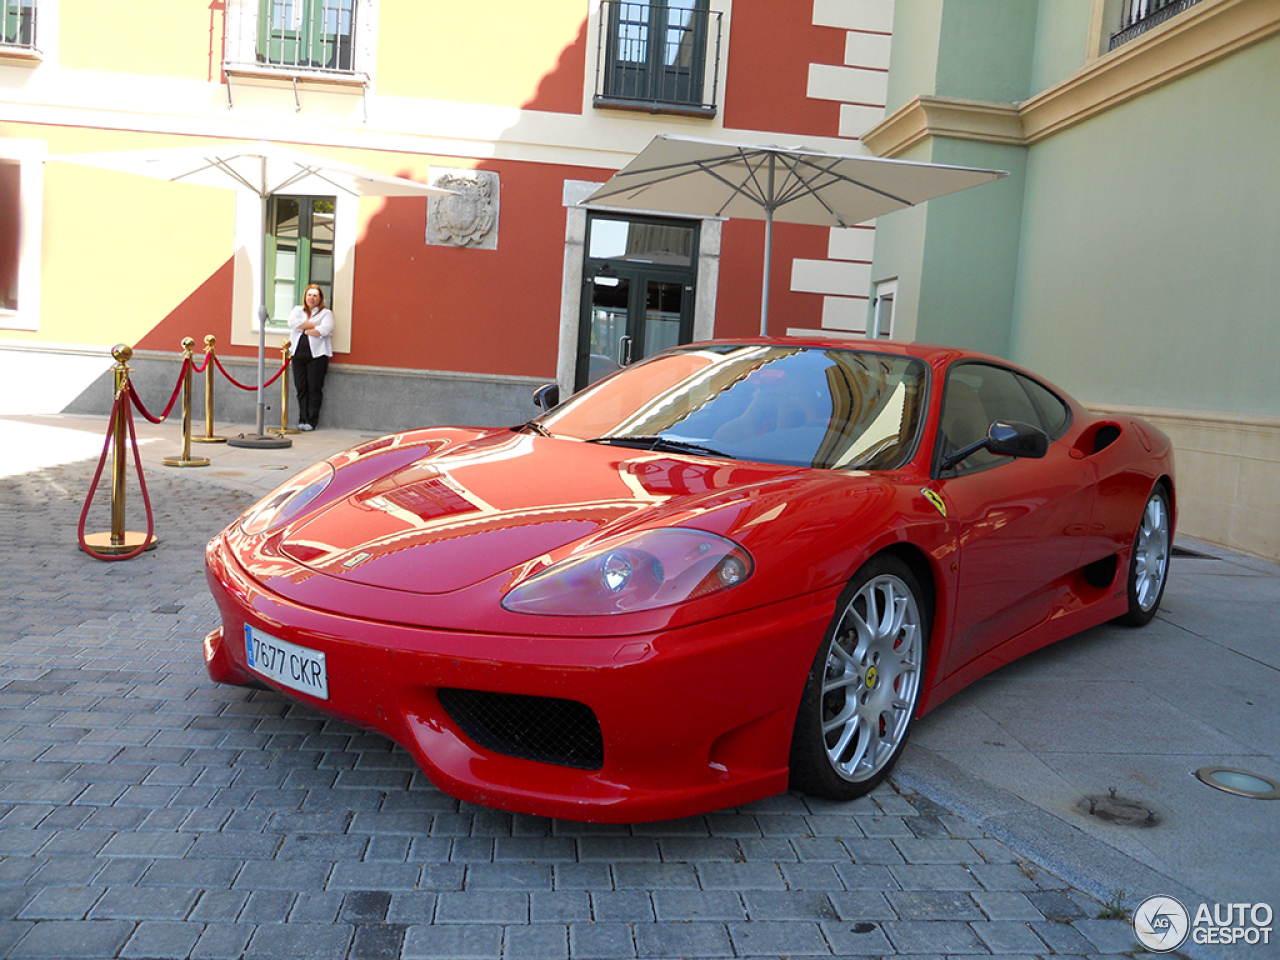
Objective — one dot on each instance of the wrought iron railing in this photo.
(307, 35)
(656, 57)
(18, 23)
(1139, 16)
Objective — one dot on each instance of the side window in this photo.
(976, 395)
(1055, 416)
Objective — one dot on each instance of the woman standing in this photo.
(310, 333)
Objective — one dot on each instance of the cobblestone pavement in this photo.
(146, 812)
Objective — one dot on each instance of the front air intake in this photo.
(546, 729)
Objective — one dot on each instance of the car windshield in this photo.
(822, 407)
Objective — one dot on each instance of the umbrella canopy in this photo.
(264, 170)
(261, 168)
(716, 179)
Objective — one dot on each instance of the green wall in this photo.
(1149, 271)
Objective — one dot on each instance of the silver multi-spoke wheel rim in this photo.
(1151, 553)
(871, 679)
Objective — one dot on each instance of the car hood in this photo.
(510, 500)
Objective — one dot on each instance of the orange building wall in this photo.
(742, 277)
(771, 47)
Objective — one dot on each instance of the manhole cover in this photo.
(1121, 811)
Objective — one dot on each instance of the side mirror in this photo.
(547, 396)
(1006, 438)
(1013, 439)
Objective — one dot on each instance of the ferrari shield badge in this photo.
(935, 499)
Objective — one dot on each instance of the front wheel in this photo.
(1149, 563)
(864, 686)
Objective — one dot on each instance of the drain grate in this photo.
(1121, 811)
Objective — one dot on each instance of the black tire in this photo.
(1149, 560)
(841, 749)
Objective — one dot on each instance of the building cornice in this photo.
(1210, 31)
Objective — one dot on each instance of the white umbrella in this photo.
(716, 179)
(263, 169)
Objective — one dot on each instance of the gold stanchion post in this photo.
(209, 364)
(186, 460)
(118, 540)
(284, 393)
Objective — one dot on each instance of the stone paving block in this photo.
(797, 938)
(1111, 936)
(811, 876)
(461, 942)
(142, 903)
(1006, 905)
(582, 876)
(219, 905)
(162, 940)
(741, 876)
(561, 906)
(659, 876)
(293, 875)
(61, 903)
(874, 851)
(73, 939)
(381, 941)
(223, 941)
(374, 876)
(867, 876)
(862, 939)
(316, 908)
(601, 941)
(698, 849)
(618, 849)
(472, 850)
(315, 941)
(859, 905)
(540, 848)
(1063, 937)
(312, 846)
(365, 906)
(412, 907)
(932, 936)
(788, 905)
(1002, 876)
(1009, 936)
(267, 906)
(934, 876)
(545, 941)
(934, 905)
(682, 940)
(821, 849)
(682, 905)
(768, 849)
(482, 907)
(509, 876)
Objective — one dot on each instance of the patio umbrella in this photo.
(716, 179)
(263, 169)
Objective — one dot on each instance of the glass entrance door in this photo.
(638, 289)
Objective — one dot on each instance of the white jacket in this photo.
(322, 344)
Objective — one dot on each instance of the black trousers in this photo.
(308, 380)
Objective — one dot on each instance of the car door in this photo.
(1020, 522)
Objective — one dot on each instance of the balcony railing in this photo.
(658, 58)
(1139, 16)
(18, 23)
(308, 35)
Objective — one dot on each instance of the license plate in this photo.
(288, 664)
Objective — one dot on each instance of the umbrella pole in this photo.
(768, 259)
(262, 439)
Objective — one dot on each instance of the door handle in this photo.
(624, 351)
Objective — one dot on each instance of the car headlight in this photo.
(287, 501)
(657, 568)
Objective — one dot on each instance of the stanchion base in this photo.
(259, 442)
(103, 544)
(208, 439)
(282, 430)
(188, 462)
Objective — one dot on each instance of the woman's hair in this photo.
(316, 288)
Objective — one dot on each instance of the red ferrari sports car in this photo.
(727, 569)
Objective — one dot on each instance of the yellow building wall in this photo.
(120, 252)
(164, 38)
(493, 53)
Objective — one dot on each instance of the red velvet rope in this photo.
(119, 409)
(168, 409)
(243, 386)
(200, 368)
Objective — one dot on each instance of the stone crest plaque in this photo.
(468, 218)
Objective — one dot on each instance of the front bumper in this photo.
(692, 719)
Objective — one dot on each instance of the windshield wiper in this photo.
(664, 443)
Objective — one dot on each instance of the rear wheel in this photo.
(864, 686)
(1149, 562)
